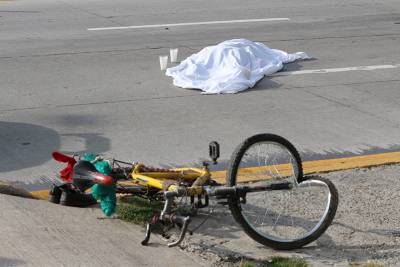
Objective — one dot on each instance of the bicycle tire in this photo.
(257, 231)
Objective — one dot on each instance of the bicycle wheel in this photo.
(285, 217)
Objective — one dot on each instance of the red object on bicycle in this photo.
(100, 178)
(66, 173)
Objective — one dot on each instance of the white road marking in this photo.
(188, 24)
(320, 71)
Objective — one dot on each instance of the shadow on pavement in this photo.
(94, 143)
(10, 262)
(25, 145)
(366, 149)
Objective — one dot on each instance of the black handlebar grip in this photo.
(225, 191)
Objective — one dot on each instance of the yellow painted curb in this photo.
(41, 194)
(330, 165)
(44, 194)
(309, 167)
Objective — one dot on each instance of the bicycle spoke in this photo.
(280, 213)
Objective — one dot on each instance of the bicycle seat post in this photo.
(205, 165)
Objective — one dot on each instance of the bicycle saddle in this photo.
(85, 176)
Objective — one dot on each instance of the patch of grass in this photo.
(246, 264)
(136, 209)
(276, 261)
(368, 264)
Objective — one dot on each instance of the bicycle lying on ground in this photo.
(264, 189)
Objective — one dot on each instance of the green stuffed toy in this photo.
(105, 193)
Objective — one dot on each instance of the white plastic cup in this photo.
(173, 52)
(163, 62)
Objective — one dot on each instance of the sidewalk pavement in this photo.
(39, 233)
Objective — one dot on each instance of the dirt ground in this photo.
(366, 226)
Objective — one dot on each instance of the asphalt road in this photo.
(66, 88)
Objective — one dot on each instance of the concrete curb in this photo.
(337, 164)
(309, 168)
(10, 189)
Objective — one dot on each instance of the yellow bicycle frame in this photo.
(168, 181)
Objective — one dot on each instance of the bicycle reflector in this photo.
(214, 151)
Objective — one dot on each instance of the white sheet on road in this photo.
(230, 67)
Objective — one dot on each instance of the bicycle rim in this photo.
(278, 217)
